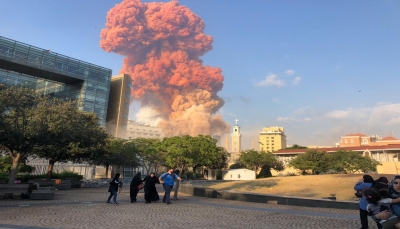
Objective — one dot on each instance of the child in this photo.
(379, 201)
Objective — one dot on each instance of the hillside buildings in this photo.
(272, 139)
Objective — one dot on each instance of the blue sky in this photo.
(320, 69)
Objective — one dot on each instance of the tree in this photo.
(344, 161)
(116, 152)
(256, 160)
(206, 153)
(6, 163)
(72, 135)
(313, 160)
(149, 153)
(21, 128)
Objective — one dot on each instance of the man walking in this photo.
(168, 179)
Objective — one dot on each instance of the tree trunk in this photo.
(50, 168)
(178, 184)
(107, 167)
(14, 168)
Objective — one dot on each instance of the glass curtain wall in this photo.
(93, 93)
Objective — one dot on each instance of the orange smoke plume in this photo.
(162, 44)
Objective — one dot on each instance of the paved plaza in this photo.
(86, 208)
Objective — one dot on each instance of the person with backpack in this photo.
(113, 189)
(168, 179)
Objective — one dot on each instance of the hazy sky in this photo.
(320, 69)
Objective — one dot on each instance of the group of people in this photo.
(148, 184)
(380, 200)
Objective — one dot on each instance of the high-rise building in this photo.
(118, 105)
(57, 75)
(236, 138)
(272, 139)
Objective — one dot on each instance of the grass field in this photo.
(315, 186)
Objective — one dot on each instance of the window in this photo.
(351, 141)
(345, 141)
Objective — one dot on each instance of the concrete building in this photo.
(236, 138)
(138, 130)
(272, 139)
(57, 75)
(118, 105)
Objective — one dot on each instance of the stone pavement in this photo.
(86, 208)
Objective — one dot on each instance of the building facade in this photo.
(138, 130)
(355, 140)
(57, 75)
(272, 139)
(118, 105)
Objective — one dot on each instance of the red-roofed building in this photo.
(353, 140)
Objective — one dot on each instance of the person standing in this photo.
(366, 182)
(134, 186)
(150, 191)
(168, 179)
(113, 189)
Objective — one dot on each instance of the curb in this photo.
(268, 199)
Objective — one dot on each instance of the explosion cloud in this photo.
(162, 44)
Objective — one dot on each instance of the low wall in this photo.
(264, 198)
(388, 167)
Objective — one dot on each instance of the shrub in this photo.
(66, 174)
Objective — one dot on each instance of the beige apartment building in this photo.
(139, 130)
(272, 139)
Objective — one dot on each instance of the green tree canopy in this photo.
(255, 160)
(344, 161)
(72, 135)
(116, 152)
(149, 153)
(21, 126)
(313, 160)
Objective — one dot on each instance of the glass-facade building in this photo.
(57, 75)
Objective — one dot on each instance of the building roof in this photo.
(388, 138)
(358, 134)
(333, 149)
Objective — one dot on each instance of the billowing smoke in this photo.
(162, 44)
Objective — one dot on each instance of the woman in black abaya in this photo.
(150, 191)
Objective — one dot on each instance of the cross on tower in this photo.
(236, 121)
